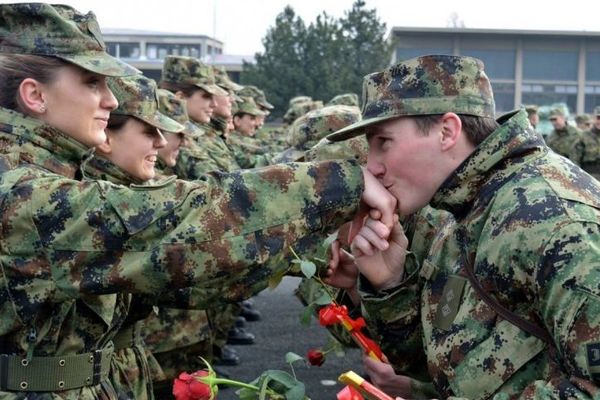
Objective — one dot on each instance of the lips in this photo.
(151, 158)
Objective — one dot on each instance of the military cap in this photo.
(531, 109)
(191, 71)
(137, 96)
(226, 83)
(597, 110)
(247, 106)
(349, 99)
(583, 118)
(258, 96)
(354, 148)
(58, 31)
(299, 109)
(299, 99)
(176, 109)
(556, 112)
(426, 85)
(307, 130)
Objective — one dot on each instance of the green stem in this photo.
(230, 382)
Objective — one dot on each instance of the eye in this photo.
(93, 81)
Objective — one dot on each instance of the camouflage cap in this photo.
(307, 130)
(258, 96)
(583, 118)
(354, 148)
(176, 109)
(597, 110)
(299, 109)
(427, 85)
(59, 31)
(247, 106)
(138, 98)
(348, 99)
(224, 81)
(531, 109)
(191, 71)
(299, 99)
(556, 112)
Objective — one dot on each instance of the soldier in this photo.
(591, 142)
(261, 101)
(506, 303)
(564, 139)
(532, 115)
(583, 122)
(73, 251)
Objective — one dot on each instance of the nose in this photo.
(108, 100)
(213, 103)
(159, 141)
(375, 166)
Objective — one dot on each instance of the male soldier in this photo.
(564, 139)
(591, 143)
(506, 304)
(247, 151)
(261, 101)
(532, 115)
(583, 122)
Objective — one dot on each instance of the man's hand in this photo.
(383, 376)
(380, 261)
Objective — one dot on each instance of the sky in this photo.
(241, 24)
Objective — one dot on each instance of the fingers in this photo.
(371, 237)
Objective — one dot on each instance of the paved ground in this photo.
(280, 331)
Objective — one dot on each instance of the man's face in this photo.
(558, 121)
(223, 106)
(245, 124)
(534, 119)
(404, 159)
(597, 121)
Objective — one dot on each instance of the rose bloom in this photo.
(187, 387)
(315, 357)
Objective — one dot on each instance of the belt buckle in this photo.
(97, 368)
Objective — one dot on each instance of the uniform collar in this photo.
(100, 168)
(494, 157)
(40, 144)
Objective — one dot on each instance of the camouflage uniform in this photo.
(566, 141)
(527, 220)
(247, 150)
(346, 99)
(590, 161)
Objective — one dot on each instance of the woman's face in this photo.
(169, 153)
(200, 106)
(78, 103)
(134, 148)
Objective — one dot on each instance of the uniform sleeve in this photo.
(193, 163)
(65, 237)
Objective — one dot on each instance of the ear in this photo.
(180, 95)
(451, 131)
(106, 146)
(31, 93)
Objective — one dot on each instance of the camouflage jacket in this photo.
(214, 143)
(590, 161)
(567, 142)
(247, 151)
(66, 242)
(531, 221)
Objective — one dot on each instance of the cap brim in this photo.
(213, 89)
(102, 63)
(163, 123)
(192, 130)
(266, 104)
(357, 128)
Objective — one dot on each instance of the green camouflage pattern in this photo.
(138, 98)
(531, 221)
(248, 152)
(354, 148)
(223, 80)
(346, 99)
(87, 244)
(424, 86)
(247, 106)
(58, 31)
(191, 71)
(298, 100)
(258, 96)
(590, 161)
(176, 109)
(299, 109)
(567, 142)
(307, 130)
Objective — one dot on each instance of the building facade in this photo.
(525, 67)
(146, 50)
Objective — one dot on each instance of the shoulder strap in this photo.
(508, 315)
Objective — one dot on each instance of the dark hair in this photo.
(476, 128)
(117, 121)
(15, 68)
(185, 88)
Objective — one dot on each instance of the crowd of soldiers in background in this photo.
(578, 141)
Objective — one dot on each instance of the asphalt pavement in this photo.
(278, 332)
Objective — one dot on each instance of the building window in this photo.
(403, 53)
(504, 96)
(158, 51)
(129, 50)
(592, 97)
(111, 48)
(550, 65)
(550, 93)
(209, 49)
(499, 63)
(592, 66)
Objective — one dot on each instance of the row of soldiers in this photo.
(580, 144)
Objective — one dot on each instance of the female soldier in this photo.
(72, 251)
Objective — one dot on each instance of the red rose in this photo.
(187, 387)
(315, 357)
